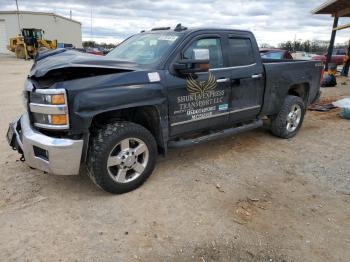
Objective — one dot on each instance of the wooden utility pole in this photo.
(331, 42)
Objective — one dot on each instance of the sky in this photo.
(272, 21)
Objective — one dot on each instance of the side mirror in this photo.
(200, 54)
(199, 63)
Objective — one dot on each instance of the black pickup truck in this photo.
(158, 89)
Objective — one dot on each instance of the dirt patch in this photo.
(247, 209)
(333, 114)
(232, 251)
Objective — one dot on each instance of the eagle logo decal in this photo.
(200, 87)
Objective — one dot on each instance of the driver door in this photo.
(200, 101)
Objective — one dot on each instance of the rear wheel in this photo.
(121, 157)
(289, 120)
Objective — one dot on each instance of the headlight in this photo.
(47, 99)
(49, 108)
(58, 99)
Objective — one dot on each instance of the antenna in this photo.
(179, 27)
(19, 25)
(70, 14)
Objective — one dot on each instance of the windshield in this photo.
(145, 48)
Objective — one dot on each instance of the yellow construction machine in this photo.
(30, 41)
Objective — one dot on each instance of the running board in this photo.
(212, 136)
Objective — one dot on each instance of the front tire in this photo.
(289, 120)
(121, 157)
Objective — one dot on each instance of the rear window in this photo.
(241, 51)
(273, 55)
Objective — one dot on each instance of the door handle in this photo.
(257, 76)
(223, 80)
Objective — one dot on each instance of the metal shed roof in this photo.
(336, 8)
(341, 8)
(37, 13)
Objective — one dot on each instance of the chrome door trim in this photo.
(245, 108)
(232, 67)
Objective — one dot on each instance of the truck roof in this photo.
(180, 28)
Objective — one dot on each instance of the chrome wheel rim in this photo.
(127, 160)
(293, 118)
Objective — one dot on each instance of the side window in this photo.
(214, 47)
(241, 51)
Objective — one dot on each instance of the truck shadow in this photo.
(244, 142)
(240, 142)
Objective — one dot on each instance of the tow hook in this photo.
(22, 159)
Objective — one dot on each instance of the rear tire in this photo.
(289, 120)
(121, 157)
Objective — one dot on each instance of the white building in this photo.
(63, 29)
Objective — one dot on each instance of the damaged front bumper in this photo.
(59, 156)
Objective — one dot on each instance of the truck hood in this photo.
(54, 60)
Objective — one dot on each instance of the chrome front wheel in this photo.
(122, 155)
(127, 160)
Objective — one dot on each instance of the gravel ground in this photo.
(251, 197)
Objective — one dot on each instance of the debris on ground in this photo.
(342, 103)
(345, 113)
(345, 105)
(322, 108)
(219, 188)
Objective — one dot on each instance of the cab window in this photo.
(241, 52)
(215, 52)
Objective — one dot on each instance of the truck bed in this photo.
(280, 75)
